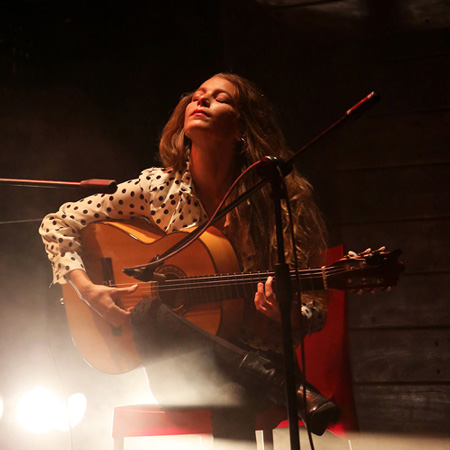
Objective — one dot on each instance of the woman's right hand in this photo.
(102, 299)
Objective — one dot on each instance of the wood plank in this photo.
(399, 70)
(392, 140)
(410, 408)
(406, 84)
(393, 193)
(424, 242)
(415, 301)
(400, 356)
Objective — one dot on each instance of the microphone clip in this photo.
(146, 272)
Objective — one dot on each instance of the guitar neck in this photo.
(204, 289)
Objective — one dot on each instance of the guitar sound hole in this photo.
(169, 293)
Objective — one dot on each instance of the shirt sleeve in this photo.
(60, 231)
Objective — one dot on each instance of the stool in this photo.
(151, 420)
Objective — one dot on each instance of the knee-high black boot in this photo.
(159, 331)
(320, 411)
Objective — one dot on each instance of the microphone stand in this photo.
(107, 186)
(274, 170)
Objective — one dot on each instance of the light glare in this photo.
(40, 411)
(37, 410)
(70, 417)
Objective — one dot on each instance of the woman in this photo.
(211, 137)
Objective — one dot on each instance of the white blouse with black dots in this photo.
(165, 196)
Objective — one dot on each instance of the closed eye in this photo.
(224, 98)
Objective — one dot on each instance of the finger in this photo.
(260, 298)
(118, 293)
(118, 316)
(126, 290)
(268, 289)
(261, 302)
(260, 288)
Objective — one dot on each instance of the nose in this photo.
(203, 100)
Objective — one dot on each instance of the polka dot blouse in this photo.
(164, 196)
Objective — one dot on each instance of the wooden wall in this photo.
(396, 190)
(381, 180)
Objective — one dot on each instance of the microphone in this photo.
(364, 105)
(108, 186)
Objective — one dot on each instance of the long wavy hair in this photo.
(252, 224)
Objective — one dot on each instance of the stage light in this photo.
(37, 410)
(40, 411)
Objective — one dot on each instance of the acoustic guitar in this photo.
(202, 283)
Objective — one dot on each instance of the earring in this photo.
(239, 144)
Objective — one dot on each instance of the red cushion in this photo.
(151, 420)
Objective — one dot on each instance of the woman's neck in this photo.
(213, 172)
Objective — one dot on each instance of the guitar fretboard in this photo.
(205, 288)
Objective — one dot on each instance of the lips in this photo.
(200, 113)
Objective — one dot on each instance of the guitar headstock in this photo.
(365, 271)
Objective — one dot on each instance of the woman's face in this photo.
(212, 111)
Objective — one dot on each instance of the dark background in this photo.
(85, 89)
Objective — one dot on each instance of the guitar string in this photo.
(179, 285)
(235, 278)
(217, 281)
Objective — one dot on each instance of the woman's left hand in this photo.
(266, 301)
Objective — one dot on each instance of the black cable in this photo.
(142, 272)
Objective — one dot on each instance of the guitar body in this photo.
(108, 247)
(195, 283)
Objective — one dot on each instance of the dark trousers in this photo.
(188, 367)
